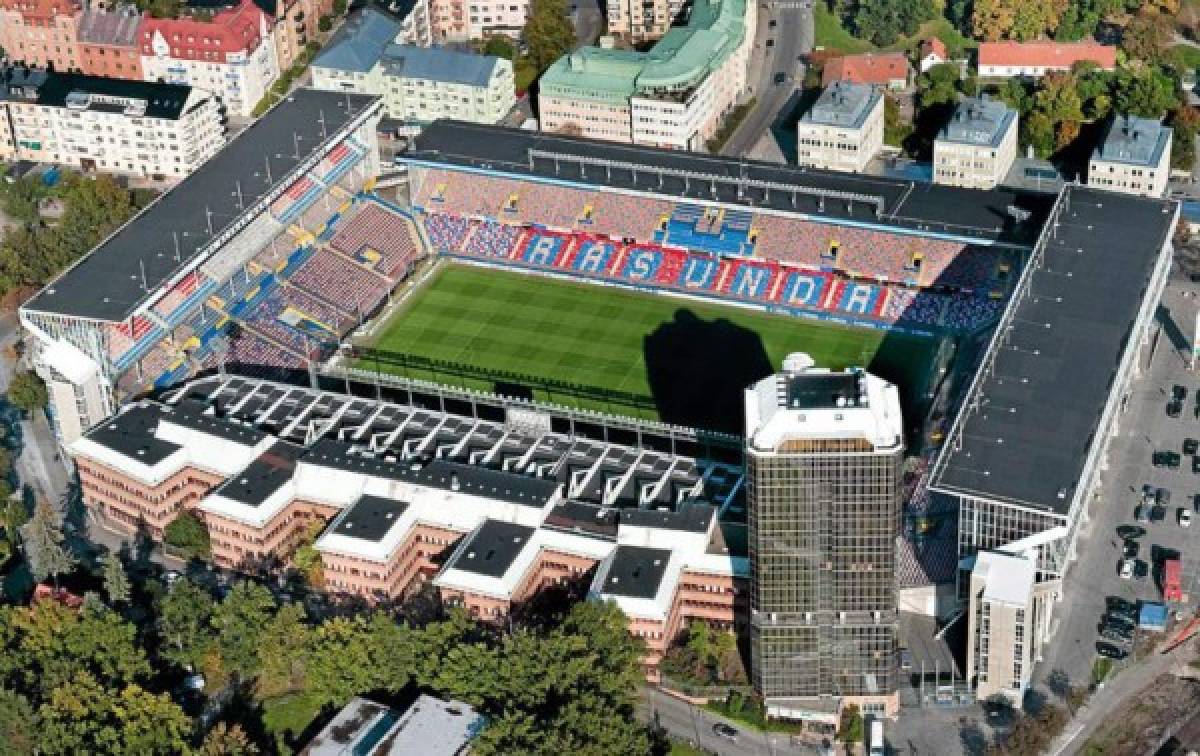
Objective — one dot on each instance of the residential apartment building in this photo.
(41, 33)
(108, 42)
(231, 55)
(110, 125)
(294, 26)
(487, 538)
(888, 70)
(843, 130)
(673, 96)
(1036, 59)
(417, 84)
(1134, 158)
(459, 20)
(824, 455)
(641, 20)
(977, 147)
(1008, 617)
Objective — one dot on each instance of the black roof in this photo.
(636, 571)
(131, 433)
(264, 476)
(163, 100)
(917, 206)
(107, 283)
(822, 390)
(586, 519)
(1038, 407)
(491, 549)
(692, 519)
(438, 473)
(192, 413)
(370, 518)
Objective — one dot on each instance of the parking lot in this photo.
(1146, 428)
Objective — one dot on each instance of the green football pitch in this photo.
(652, 356)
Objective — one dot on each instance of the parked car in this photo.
(1130, 532)
(1185, 517)
(1109, 651)
(1125, 569)
(1142, 513)
(1191, 446)
(1129, 549)
(1158, 513)
(1162, 497)
(1119, 620)
(1115, 633)
(1196, 464)
(780, 78)
(1118, 604)
(1174, 409)
(1141, 569)
(725, 731)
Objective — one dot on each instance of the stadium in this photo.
(616, 294)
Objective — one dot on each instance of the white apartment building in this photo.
(1008, 620)
(1134, 158)
(641, 20)
(843, 130)
(111, 125)
(232, 55)
(673, 96)
(417, 84)
(976, 149)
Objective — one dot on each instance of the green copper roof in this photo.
(681, 59)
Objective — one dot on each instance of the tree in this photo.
(1185, 122)
(43, 539)
(81, 716)
(1148, 36)
(283, 655)
(27, 392)
(116, 582)
(324, 24)
(307, 559)
(548, 33)
(189, 536)
(895, 129)
(339, 7)
(850, 727)
(884, 21)
(938, 86)
(227, 740)
(1145, 91)
(184, 614)
(18, 725)
(240, 622)
(992, 20)
(500, 46)
(341, 664)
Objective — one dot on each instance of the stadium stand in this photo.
(331, 277)
(378, 238)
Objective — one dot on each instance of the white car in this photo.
(1126, 570)
(1185, 517)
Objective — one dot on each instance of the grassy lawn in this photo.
(680, 748)
(828, 33)
(752, 718)
(685, 362)
(287, 717)
(1186, 56)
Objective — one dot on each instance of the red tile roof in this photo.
(1046, 54)
(867, 68)
(233, 30)
(43, 9)
(935, 46)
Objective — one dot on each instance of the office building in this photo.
(231, 55)
(824, 456)
(843, 130)
(1134, 158)
(673, 96)
(977, 147)
(1008, 613)
(110, 125)
(418, 85)
(428, 727)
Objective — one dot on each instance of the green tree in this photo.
(81, 716)
(1145, 91)
(189, 536)
(183, 619)
(307, 559)
(227, 740)
(116, 582)
(340, 664)
(1148, 37)
(548, 32)
(884, 21)
(895, 129)
(501, 46)
(43, 539)
(324, 24)
(18, 725)
(850, 728)
(938, 86)
(240, 622)
(283, 655)
(27, 392)
(1185, 122)
(339, 7)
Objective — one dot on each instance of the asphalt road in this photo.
(694, 725)
(791, 37)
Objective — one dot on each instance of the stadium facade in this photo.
(824, 472)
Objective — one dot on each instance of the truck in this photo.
(1172, 586)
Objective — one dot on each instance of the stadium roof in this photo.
(107, 284)
(929, 209)
(1032, 416)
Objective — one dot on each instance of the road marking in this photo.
(1069, 739)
